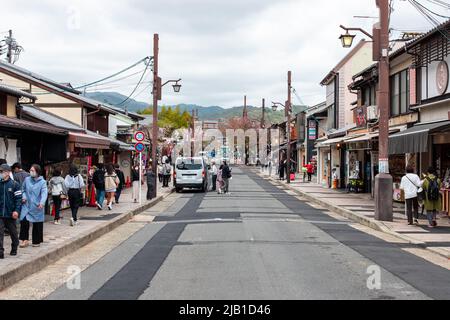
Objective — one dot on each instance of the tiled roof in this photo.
(15, 123)
(16, 92)
(50, 118)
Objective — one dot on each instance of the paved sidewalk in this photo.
(60, 240)
(361, 207)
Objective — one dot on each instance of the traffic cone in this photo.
(92, 197)
(128, 183)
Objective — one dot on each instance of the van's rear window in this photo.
(189, 164)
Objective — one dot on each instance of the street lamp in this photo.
(176, 86)
(383, 181)
(347, 39)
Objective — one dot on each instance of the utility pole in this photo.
(383, 181)
(288, 127)
(156, 96)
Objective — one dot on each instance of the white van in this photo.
(192, 173)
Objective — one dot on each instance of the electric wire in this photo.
(138, 84)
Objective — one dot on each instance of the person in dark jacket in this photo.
(19, 174)
(10, 206)
(121, 185)
(135, 178)
(151, 178)
(99, 182)
(226, 176)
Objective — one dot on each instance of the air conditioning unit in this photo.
(372, 113)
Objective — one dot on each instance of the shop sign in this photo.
(442, 77)
(312, 130)
(360, 114)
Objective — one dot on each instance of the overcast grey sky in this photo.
(221, 49)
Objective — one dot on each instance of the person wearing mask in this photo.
(99, 182)
(431, 187)
(167, 171)
(122, 183)
(150, 176)
(2, 162)
(226, 176)
(410, 184)
(111, 184)
(74, 183)
(214, 172)
(10, 206)
(19, 174)
(57, 188)
(34, 197)
(135, 177)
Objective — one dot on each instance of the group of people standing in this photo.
(221, 178)
(424, 192)
(23, 197)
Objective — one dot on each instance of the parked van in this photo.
(191, 173)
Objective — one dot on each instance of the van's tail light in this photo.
(203, 173)
(174, 175)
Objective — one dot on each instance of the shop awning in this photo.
(89, 141)
(330, 142)
(415, 139)
(121, 146)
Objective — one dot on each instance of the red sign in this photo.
(139, 136)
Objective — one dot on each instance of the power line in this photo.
(117, 73)
(434, 22)
(139, 83)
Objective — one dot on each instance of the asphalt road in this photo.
(257, 243)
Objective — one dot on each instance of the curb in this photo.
(40, 262)
(376, 225)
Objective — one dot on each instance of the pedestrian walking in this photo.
(282, 169)
(214, 172)
(19, 174)
(34, 197)
(99, 182)
(74, 183)
(310, 171)
(150, 177)
(57, 189)
(122, 183)
(167, 171)
(135, 177)
(410, 184)
(219, 182)
(10, 206)
(112, 182)
(226, 176)
(432, 186)
(160, 172)
(2, 162)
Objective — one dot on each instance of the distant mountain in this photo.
(205, 113)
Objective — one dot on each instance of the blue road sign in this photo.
(139, 147)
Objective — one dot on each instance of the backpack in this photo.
(433, 189)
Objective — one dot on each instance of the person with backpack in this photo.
(433, 204)
(74, 183)
(226, 176)
(167, 171)
(410, 184)
(99, 182)
(10, 206)
(57, 188)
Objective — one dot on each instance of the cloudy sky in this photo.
(222, 49)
